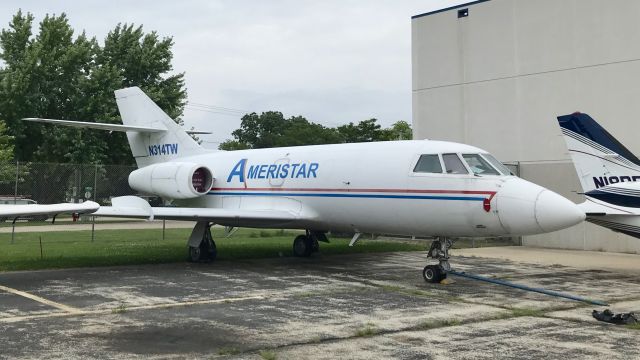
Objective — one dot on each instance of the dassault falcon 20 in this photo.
(421, 188)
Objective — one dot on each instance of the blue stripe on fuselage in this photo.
(366, 196)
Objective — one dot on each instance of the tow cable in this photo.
(527, 288)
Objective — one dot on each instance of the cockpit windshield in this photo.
(497, 164)
(478, 165)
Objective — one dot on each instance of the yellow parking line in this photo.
(41, 300)
(72, 311)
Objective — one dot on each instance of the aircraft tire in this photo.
(206, 252)
(212, 251)
(302, 246)
(194, 254)
(432, 274)
(315, 246)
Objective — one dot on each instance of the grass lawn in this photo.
(124, 247)
(62, 222)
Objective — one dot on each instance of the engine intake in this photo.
(173, 180)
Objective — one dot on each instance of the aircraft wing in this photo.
(52, 209)
(135, 207)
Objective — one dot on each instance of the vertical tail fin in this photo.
(599, 158)
(137, 109)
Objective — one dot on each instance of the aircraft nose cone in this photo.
(525, 208)
(555, 212)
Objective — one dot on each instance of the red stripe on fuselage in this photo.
(404, 191)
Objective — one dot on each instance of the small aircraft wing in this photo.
(52, 209)
(135, 207)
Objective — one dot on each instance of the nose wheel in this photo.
(433, 274)
(439, 250)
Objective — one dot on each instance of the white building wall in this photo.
(498, 78)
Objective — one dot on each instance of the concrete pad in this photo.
(342, 306)
(518, 338)
(575, 258)
(580, 314)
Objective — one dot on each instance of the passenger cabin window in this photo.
(428, 164)
(453, 164)
(478, 165)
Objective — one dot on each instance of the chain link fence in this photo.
(47, 183)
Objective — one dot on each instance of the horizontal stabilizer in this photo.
(52, 209)
(99, 126)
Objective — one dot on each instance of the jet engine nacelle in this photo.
(172, 180)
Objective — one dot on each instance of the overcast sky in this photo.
(331, 61)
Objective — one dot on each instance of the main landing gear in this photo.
(202, 248)
(439, 250)
(305, 245)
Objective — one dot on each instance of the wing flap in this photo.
(135, 207)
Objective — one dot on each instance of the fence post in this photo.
(15, 188)
(95, 183)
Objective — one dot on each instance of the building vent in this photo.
(463, 13)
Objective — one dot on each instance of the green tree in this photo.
(302, 132)
(400, 130)
(271, 129)
(8, 169)
(6, 144)
(7, 166)
(230, 145)
(56, 75)
(364, 131)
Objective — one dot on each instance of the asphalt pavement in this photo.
(363, 306)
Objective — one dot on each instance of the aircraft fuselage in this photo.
(372, 187)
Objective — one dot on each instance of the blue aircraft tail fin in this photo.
(583, 125)
(599, 158)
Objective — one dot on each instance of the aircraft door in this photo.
(279, 181)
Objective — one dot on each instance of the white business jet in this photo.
(608, 174)
(421, 188)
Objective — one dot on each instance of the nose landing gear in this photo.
(439, 250)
